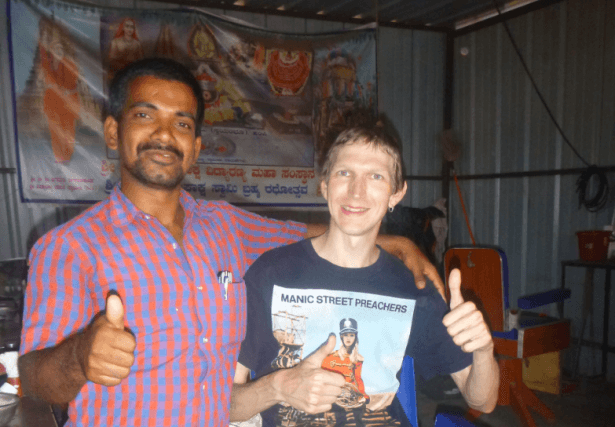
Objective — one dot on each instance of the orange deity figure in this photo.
(125, 46)
(58, 77)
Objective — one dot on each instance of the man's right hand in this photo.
(307, 386)
(106, 351)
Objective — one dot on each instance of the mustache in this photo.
(151, 145)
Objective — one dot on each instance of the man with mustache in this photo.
(135, 309)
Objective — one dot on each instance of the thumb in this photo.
(115, 312)
(323, 351)
(454, 284)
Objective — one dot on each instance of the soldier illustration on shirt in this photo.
(348, 362)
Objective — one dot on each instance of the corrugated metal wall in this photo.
(410, 65)
(502, 127)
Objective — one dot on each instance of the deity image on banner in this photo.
(165, 44)
(339, 92)
(288, 71)
(56, 99)
(125, 47)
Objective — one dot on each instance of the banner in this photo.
(270, 98)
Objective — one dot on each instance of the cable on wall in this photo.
(597, 202)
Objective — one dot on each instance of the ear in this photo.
(323, 188)
(110, 129)
(197, 147)
(395, 198)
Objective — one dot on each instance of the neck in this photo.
(347, 251)
(163, 204)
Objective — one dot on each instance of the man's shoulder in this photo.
(223, 209)
(394, 267)
(97, 213)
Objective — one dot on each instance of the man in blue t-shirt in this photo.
(297, 294)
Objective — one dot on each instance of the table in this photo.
(608, 266)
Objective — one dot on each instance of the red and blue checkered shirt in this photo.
(188, 331)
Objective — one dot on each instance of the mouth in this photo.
(352, 210)
(163, 154)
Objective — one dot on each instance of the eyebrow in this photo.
(154, 107)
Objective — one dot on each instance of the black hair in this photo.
(161, 68)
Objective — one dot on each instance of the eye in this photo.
(185, 125)
(377, 176)
(141, 115)
(343, 173)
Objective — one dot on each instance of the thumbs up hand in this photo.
(106, 350)
(307, 386)
(465, 323)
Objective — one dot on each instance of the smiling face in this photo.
(359, 189)
(156, 133)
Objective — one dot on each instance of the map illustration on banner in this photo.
(302, 320)
(271, 99)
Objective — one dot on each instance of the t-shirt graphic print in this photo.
(372, 333)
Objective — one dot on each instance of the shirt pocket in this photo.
(234, 310)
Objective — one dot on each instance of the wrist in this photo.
(277, 385)
(485, 352)
(78, 352)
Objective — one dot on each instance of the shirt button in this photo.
(174, 245)
(146, 216)
(177, 309)
(200, 288)
(203, 387)
(205, 340)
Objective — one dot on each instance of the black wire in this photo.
(544, 103)
(597, 202)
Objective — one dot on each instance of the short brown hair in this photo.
(374, 135)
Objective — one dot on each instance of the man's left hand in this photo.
(465, 323)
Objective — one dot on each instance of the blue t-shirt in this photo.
(296, 299)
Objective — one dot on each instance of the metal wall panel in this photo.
(503, 127)
(411, 67)
(411, 93)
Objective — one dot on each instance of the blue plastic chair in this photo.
(449, 420)
(407, 398)
(406, 394)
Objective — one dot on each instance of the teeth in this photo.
(348, 208)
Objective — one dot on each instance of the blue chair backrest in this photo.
(449, 420)
(406, 394)
(407, 398)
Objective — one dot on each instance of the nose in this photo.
(357, 187)
(163, 132)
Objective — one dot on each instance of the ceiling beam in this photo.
(540, 4)
(305, 15)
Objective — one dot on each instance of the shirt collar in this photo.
(122, 211)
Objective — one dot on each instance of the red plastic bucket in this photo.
(593, 245)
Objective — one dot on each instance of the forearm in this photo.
(53, 374)
(252, 398)
(481, 388)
